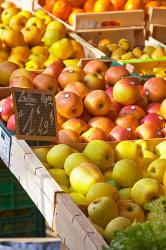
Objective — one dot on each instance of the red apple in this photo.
(68, 104)
(46, 82)
(127, 121)
(156, 119)
(78, 88)
(68, 76)
(117, 106)
(55, 68)
(148, 131)
(126, 92)
(97, 103)
(115, 73)
(75, 124)
(75, 68)
(85, 116)
(142, 100)
(155, 89)
(23, 72)
(153, 107)
(11, 123)
(6, 108)
(93, 134)
(133, 110)
(163, 109)
(21, 82)
(119, 133)
(95, 66)
(103, 123)
(67, 137)
(94, 81)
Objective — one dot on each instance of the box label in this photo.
(5, 144)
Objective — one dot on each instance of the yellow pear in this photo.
(65, 189)
(41, 153)
(62, 49)
(149, 50)
(60, 177)
(157, 169)
(78, 51)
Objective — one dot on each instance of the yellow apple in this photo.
(78, 198)
(3, 55)
(83, 177)
(148, 157)
(32, 35)
(65, 189)
(41, 153)
(99, 190)
(145, 145)
(100, 153)
(56, 25)
(60, 177)
(128, 150)
(17, 22)
(126, 172)
(25, 13)
(8, 13)
(131, 210)
(145, 190)
(160, 149)
(3, 27)
(157, 169)
(37, 22)
(46, 165)
(57, 155)
(62, 49)
(108, 174)
(33, 65)
(52, 36)
(22, 51)
(99, 229)
(125, 193)
(12, 38)
(73, 161)
(102, 211)
(118, 224)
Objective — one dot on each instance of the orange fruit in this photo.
(151, 4)
(88, 6)
(72, 14)
(49, 4)
(77, 3)
(118, 4)
(133, 5)
(62, 9)
(102, 6)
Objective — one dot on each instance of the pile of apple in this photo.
(34, 41)
(114, 183)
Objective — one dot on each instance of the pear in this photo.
(56, 25)
(57, 155)
(118, 52)
(102, 211)
(145, 56)
(60, 177)
(158, 52)
(112, 47)
(100, 153)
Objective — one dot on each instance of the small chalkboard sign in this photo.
(35, 114)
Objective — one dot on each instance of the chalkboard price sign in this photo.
(35, 114)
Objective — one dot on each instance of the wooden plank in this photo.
(111, 19)
(157, 15)
(158, 32)
(4, 92)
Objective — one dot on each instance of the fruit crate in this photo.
(12, 195)
(22, 223)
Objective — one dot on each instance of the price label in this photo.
(5, 144)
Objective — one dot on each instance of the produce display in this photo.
(96, 102)
(34, 41)
(114, 183)
(66, 9)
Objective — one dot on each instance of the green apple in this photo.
(99, 190)
(157, 169)
(102, 211)
(73, 161)
(100, 153)
(126, 172)
(41, 153)
(145, 190)
(60, 177)
(115, 225)
(78, 198)
(125, 193)
(83, 177)
(57, 155)
(128, 150)
(160, 149)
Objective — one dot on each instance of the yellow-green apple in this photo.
(84, 176)
(78, 198)
(93, 134)
(103, 123)
(95, 66)
(126, 92)
(56, 25)
(156, 119)
(45, 82)
(99, 190)
(97, 103)
(55, 68)
(62, 49)
(51, 36)
(66, 77)
(35, 21)
(32, 35)
(100, 153)
(17, 22)
(60, 176)
(133, 110)
(73, 161)
(153, 107)
(21, 82)
(6, 108)
(155, 89)
(11, 123)
(95, 81)
(115, 73)
(157, 169)
(148, 130)
(102, 211)
(78, 88)
(163, 108)
(57, 155)
(128, 150)
(75, 124)
(108, 174)
(8, 13)
(131, 210)
(113, 184)
(127, 121)
(69, 137)
(148, 157)
(69, 104)
(41, 153)
(126, 173)
(99, 229)
(117, 224)
(119, 133)
(160, 149)
(146, 190)
(125, 193)
(12, 38)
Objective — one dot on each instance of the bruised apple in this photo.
(103, 123)
(155, 89)
(78, 88)
(93, 134)
(97, 103)
(45, 82)
(75, 124)
(133, 110)
(68, 76)
(119, 133)
(95, 66)
(148, 130)
(68, 104)
(115, 74)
